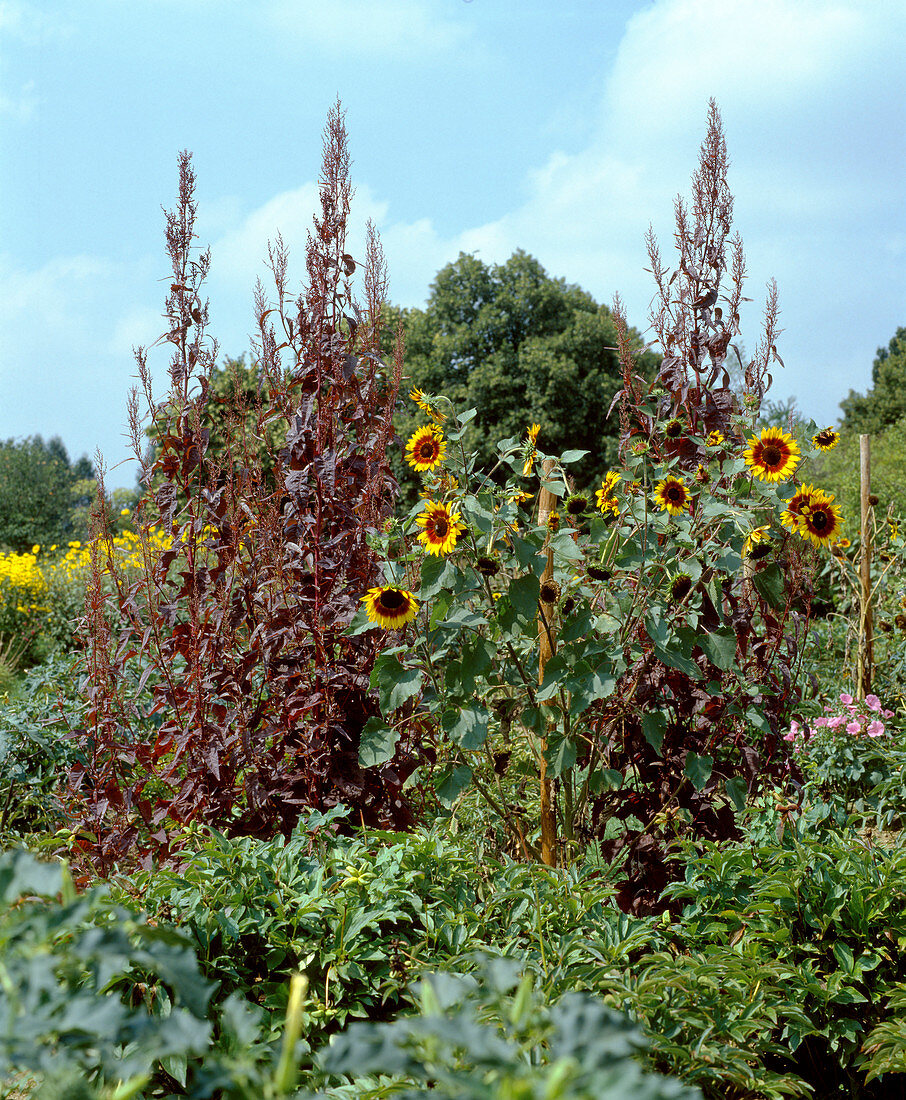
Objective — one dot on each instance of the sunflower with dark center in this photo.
(796, 505)
(702, 475)
(598, 572)
(605, 496)
(772, 456)
(826, 439)
(426, 448)
(900, 621)
(671, 495)
(577, 504)
(487, 566)
(674, 428)
(680, 587)
(549, 592)
(822, 522)
(441, 528)
(553, 522)
(758, 535)
(389, 606)
(715, 439)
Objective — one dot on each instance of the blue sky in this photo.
(562, 128)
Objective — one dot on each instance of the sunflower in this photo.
(702, 474)
(680, 586)
(715, 439)
(826, 439)
(549, 592)
(797, 504)
(604, 497)
(822, 522)
(389, 606)
(672, 495)
(598, 572)
(756, 535)
(441, 528)
(426, 448)
(773, 455)
(673, 429)
(488, 566)
(576, 504)
(426, 404)
(553, 522)
(529, 449)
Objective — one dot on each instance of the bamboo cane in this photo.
(547, 644)
(865, 660)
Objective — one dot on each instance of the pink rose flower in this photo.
(834, 723)
(853, 727)
(876, 728)
(873, 702)
(845, 699)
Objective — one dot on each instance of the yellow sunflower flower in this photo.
(605, 496)
(529, 451)
(671, 495)
(826, 439)
(756, 535)
(715, 439)
(441, 528)
(772, 456)
(389, 606)
(796, 505)
(821, 522)
(425, 403)
(426, 448)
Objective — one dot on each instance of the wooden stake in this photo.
(547, 643)
(865, 662)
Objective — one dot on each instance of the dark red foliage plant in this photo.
(222, 686)
(698, 726)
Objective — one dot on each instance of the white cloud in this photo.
(356, 28)
(140, 325)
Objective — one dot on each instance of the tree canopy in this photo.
(43, 497)
(885, 403)
(521, 348)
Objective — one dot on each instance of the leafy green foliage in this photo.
(491, 1036)
(35, 751)
(519, 347)
(88, 986)
(885, 403)
(40, 490)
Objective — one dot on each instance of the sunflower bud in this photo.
(680, 587)
(550, 592)
(598, 573)
(487, 567)
(577, 504)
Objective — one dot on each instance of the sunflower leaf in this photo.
(394, 683)
(523, 593)
(452, 782)
(377, 744)
(719, 646)
(468, 726)
(698, 769)
(437, 574)
(770, 584)
(654, 726)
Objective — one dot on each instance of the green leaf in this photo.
(377, 744)
(719, 646)
(560, 756)
(698, 769)
(770, 584)
(606, 779)
(573, 456)
(654, 726)
(736, 791)
(437, 573)
(452, 781)
(523, 593)
(674, 658)
(477, 657)
(565, 546)
(467, 726)
(588, 684)
(394, 683)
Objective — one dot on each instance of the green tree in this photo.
(885, 403)
(521, 348)
(41, 493)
